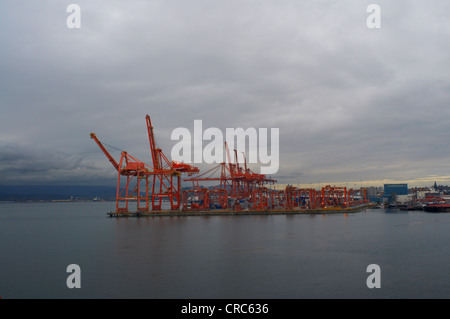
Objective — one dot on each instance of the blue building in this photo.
(390, 190)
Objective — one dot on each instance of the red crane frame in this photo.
(166, 178)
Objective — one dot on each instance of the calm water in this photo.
(302, 256)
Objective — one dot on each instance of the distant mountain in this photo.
(59, 192)
(49, 192)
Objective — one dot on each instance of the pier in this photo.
(226, 212)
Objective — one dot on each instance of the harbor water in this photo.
(267, 257)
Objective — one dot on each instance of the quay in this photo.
(224, 212)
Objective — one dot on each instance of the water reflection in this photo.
(274, 256)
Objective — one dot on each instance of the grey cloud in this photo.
(31, 165)
(350, 102)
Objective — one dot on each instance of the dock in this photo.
(224, 212)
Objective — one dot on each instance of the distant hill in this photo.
(49, 192)
(59, 192)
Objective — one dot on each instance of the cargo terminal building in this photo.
(393, 190)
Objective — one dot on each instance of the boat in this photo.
(437, 208)
(410, 207)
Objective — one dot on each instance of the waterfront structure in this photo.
(239, 189)
(392, 190)
(373, 194)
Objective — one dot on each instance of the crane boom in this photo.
(111, 159)
(153, 148)
(230, 165)
(245, 162)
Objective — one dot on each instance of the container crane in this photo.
(132, 170)
(150, 196)
(164, 185)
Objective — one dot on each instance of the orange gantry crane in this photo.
(163, 185)
(131, 169)
(161, 181)
(236, 185)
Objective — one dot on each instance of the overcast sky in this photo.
(353, 104)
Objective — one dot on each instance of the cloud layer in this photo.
(352, 104)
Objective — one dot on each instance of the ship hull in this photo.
(437, 208)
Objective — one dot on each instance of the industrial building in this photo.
(391, 191)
